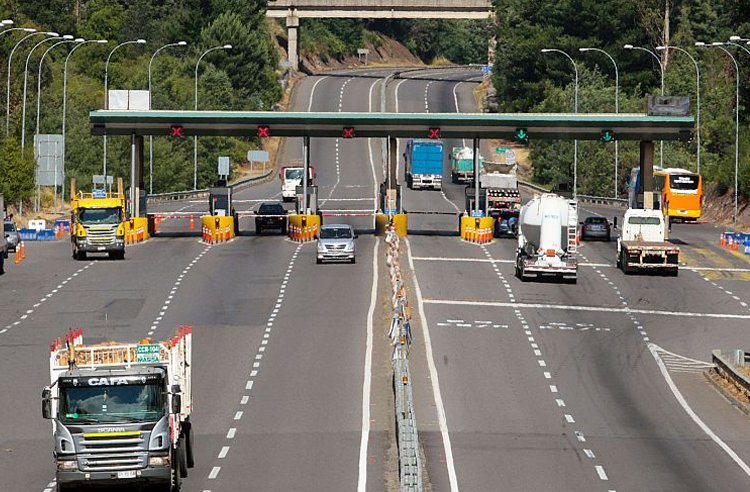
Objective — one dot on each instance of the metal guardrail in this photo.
(410, 465)
(727, 364)
(601, 200)
(202, 193)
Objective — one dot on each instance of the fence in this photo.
(410, 466)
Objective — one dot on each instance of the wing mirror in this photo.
(47, 403)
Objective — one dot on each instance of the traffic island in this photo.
(303, 227)
(478, 230)
(400, 224)
(136, 230)
(217, 229)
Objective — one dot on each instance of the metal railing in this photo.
(202, 193)
(601, 200)
(410, 465)
(727, 364)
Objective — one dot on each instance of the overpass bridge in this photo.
(294, 10)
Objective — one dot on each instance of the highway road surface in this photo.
(530, 386)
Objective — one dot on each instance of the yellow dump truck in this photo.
(97, 222)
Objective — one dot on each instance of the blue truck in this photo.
(423, 164)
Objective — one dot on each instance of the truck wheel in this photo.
(65, 487)
(283, 230)
(2, 265)
(189, 440)
(454, 178)
(258, 230)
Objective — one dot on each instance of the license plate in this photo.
(126, 474)
(100, 248)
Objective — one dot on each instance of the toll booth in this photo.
(312, 199)
(220, 200)
(470, 199)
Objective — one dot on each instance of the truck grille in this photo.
(101, 234)
(112, 452)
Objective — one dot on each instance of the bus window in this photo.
(683, 182)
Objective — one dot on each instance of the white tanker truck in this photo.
(547, 239)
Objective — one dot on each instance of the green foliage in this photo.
(16, 173)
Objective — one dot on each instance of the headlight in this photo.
(321, 247)
(158, 461)
(349, 247)
(67, 465)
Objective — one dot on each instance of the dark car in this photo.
(270, 216)
(596, 227)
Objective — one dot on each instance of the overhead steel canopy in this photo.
(381, 9)
(180, 124)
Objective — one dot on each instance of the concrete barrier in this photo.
(477, 230)
(303, 227)
(217, 229)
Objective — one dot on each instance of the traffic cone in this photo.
(723, 239)
(192, 223)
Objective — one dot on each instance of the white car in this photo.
(336, 243)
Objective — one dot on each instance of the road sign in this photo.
(48, 150)
(223, 166)
(510, 156)
(177, 131)
(101, 193)
(477, 213)
(257, 156)
(501, 150)
(608, 136)
(148, 352)
(486, 69)
(521, 134)
(348, 132)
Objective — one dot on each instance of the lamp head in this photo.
(735, 38)
(546, 50)
(102, 41)
(182, 43)
(79, 40)
(660, 48)
(141, 41)
(583, 50)
(717, 43)
(700, 43)
(51, 33)
(68, 37)
(628, 47)
(227, 46)
(7, 22)
(29, 29)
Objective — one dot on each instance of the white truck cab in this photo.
(643, 243)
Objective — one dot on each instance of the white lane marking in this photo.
(589, 454)
(655, 349)
(600, 471)
(569, 418)
(214, 472)
(238, 415)
(312, 92)
(565, 307)
(223, 452)
(232, 432)
(367, 382)
(442, 422)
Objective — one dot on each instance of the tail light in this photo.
(551, 252)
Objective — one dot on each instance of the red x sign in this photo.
(434, 133)
(263, 132)
(348, 132)
(177, 131)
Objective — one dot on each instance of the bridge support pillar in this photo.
(647, 173)
(136, 174)
(292, 24)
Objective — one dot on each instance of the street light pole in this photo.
(106, 89)
(65, 92)
(39, 79)
(195, 138)
(575, 109)
(661, 71)
(736, 122)
(697, 100)
(25, 83)
(7, 88)
(150, 99)
(617, 105)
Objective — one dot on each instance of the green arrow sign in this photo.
(607, 136)
(521, 134)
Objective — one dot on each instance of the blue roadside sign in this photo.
(99, 194)
(477, 213)
(486, 69)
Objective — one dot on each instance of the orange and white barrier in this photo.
(216, 229)
(303, 228)
(477, 230)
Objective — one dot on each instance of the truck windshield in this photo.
(92, 216)
(644, 220)
(294, 174)
(126, 403)
(683, 182)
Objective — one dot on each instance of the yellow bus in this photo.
(681, 193)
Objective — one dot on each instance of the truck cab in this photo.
(97, 222)
(643, 242)
(120, 412)
(291, 178)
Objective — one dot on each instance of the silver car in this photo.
(336, 243)
(11, 235)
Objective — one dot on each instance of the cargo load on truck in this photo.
(547, 238)
(462, 164)
(121, 411)
(423, 166)
(97, 222)
(643, 245)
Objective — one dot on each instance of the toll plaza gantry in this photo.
(639, 127)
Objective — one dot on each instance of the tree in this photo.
(16, 172)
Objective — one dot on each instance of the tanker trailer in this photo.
(547, 238)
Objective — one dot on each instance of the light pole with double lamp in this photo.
(150, 106)
(617, 105)
(697, 100)
(195, 137)
(661, 71)
(10, 58)
(106, 89)
(575, 110)
(736, 120)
